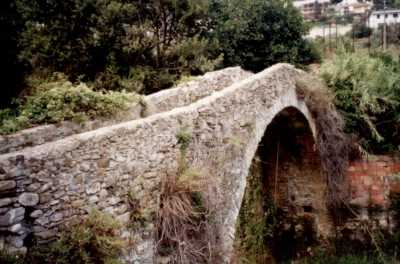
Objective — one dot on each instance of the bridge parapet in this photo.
(45, 186)
(166, 100)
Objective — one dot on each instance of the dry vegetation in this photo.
(332, 143)
(185, 230)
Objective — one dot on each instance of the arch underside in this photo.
(283, 210)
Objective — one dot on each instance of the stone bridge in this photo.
(50, 174)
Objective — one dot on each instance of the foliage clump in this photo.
(367, 93)
(59, 101)
(256, 222)
(185, 232)
(92, 240)
(328, 258)
(146, 46)
(332, 143)
(360, 30)
(256, 34)
(10, 258)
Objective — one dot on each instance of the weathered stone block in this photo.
(45, 187)
(45, 198)
(28, 199)
(113, 200)
(7, 185)
(93, 199)
(43, 220)
(36, 213)
(56, 217)
(5, 202)
(16, 241)
(33, 187)
(13, 216)
(94, 188)
(17, 229)
(46, 234)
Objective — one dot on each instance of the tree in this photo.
(169, 41)
(11, 69)
(256, 34)
(152, 42)
(77, 37)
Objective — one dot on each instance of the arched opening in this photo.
(284, 210)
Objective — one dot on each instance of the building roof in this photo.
(301, 3)
(387, 11)
(355, 3)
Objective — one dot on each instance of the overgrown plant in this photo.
(138, 216)
(60, 101)
(256, 222)
(10, 258)
(185, 232)
(91, 240)
(328, 258)
(367, 93)
(332, 143)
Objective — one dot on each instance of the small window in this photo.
(378, 16)
(386, 15)
(395, 15)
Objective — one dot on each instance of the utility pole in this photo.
(369, 35)
(384, 26)
(336, 35)
(329, 36)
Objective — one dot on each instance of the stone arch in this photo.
(285, 177)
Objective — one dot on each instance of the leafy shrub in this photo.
(93, 240)
(367, 92)
(9, 258)
(61, 100)
(326, 258)
(360, 30)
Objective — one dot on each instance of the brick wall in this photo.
(373, 179)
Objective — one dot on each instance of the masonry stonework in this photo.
(45, 185)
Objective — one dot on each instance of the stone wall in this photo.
(284, 211)
(45, 186)
(182, 95)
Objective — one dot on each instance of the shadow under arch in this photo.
(284, 209)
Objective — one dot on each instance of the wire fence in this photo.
(358, 35)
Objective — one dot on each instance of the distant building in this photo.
(380, 17)
(353, 7)
(312, 9)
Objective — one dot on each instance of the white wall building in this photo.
(312, 9)
(353, 7)
(379, 17)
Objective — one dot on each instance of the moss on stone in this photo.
(256, 222)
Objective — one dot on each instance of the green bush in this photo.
(360, 30)
(367, 92)
(94, 240)
(59, 101)
(326, 258)
(9, 258)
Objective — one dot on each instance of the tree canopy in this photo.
(146, 45)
